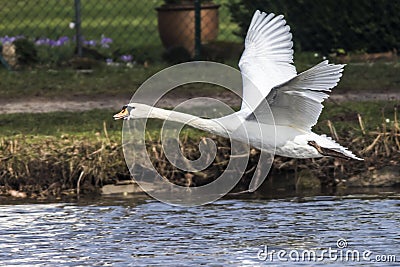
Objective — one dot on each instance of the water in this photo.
(141, 231)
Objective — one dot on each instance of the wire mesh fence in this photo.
(126, 30)
(137, 31)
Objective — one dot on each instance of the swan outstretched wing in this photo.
(298, 102)
(267, 59)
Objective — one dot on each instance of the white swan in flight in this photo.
(294, 99)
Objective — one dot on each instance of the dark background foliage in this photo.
(324, 26)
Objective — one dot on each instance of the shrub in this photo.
(323, 26)
(26, 51)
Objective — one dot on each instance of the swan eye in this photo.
(129, 108)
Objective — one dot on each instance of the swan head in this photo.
(133, 111)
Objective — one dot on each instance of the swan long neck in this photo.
(208, 125)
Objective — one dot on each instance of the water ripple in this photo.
(228, 232)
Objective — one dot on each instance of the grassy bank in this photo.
(55, 154)
(68, 83)
(105, 81)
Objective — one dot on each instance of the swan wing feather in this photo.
(298, 102)
(267, 59)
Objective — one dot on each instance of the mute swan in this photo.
(295, 100)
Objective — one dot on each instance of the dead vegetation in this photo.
(53, 168)
(69, 166)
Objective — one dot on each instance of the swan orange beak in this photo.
(122, 114)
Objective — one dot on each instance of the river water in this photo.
(352, 229)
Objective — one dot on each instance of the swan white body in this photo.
(269, 75)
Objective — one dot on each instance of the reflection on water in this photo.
(141, 231)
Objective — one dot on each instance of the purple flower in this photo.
(105, 42)
(11, 39)
(53, 43)
(109, 60)
(63, 40)
(90, 43)
(42, 41)
(126, 58)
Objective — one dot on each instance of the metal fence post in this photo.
(197, 29)
(78, 27)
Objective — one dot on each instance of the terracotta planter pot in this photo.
(176, 25)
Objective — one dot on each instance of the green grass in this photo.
(59, 123)
(105, 81)
(88, 123)
(69, 83)
(344, 116)
(373, 77)
(102, 82)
